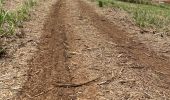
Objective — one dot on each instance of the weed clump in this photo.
(155, 16)
(10, 20)
(100, 3)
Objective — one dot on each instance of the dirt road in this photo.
(83, 56)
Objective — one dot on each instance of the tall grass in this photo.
(146, 15)
(10, 20)
(1, 2)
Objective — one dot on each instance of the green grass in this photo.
(1, 2)
(145, 15)
(10, 20)
(138, 1)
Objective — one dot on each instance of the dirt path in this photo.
(83, 56)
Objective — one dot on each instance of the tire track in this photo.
(132, 47)
(49, 65)
(143, 71)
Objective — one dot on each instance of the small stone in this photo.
(119, 55)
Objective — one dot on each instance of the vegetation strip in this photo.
(10, 20)
(145, 13)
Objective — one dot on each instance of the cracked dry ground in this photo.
(83, 56)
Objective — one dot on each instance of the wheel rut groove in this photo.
(49, 65)
(133, 48)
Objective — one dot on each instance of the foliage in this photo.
(10, 20)
(138, 1)
(146, 15)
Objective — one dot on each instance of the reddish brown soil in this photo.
(167, 1)
(84, 56)
(49, 66)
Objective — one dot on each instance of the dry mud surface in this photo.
(82, 55)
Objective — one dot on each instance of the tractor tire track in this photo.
(133, 47)
(49, 65)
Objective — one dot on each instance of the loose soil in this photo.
(84, 56)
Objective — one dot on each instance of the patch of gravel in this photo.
(20, 49)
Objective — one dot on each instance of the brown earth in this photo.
(49, 66)
(82, 55)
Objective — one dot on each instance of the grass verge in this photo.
(156, 16)
(10, 20)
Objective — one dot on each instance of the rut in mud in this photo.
(84, 56)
